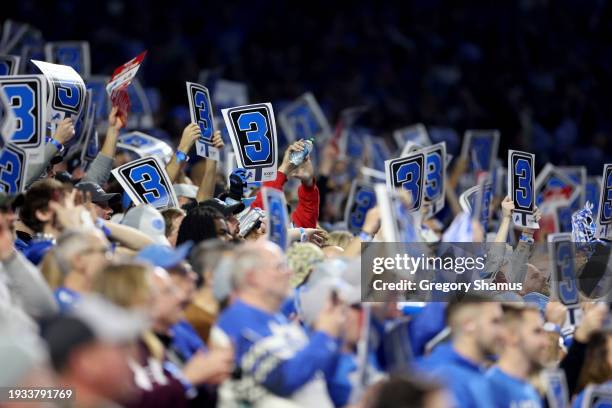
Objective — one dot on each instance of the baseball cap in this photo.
(148, 220)
(247, 201)
(164, 256)
(98, 195)
(185, 190)
(225, 209)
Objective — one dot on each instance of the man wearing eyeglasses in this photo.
(275, 359)
(79, 256)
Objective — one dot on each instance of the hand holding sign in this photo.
(119, 82)
(65, 131)
(190, 135)
(115, 120)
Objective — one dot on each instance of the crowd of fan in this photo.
(195, 307)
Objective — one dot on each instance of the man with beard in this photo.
(475, 324)
(524, 348)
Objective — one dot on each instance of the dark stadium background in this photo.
(537, 70)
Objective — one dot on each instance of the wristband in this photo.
(552, 328)
(303, 237)
(58, 145)
(190, 391)
(104, 228)
(364, 236)
(181, 157)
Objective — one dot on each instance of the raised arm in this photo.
(191, 133)
(63, 133)
(451, 184)
(307, 212)
(284, 170)
(115, 123)
(504, 226)
(100, 168)
(207, 187)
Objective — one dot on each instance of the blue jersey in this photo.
(185, 340)
(465, 379)
(512, 392)
(345, 378)
(425, 325)
(277, 355)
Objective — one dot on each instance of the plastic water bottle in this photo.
(297, 158)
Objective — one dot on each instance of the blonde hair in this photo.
(339, 238)
(51, 271)
(125, 284)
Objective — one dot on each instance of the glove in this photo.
(238, 183)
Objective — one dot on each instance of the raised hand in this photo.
(190, 135)
(286, 166)
(217, 140)
(65, 131)
(116, 120)
(507, 206)
(304, 172)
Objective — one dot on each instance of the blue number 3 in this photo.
(409, 177)
(22, 101)
(257, 148)
(10, 171)
(568, 292)
(204, 118)
(150, 180)
(364, 200)
(523, 193)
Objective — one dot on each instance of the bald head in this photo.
(260, 274)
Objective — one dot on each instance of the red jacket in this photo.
(307, 212)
